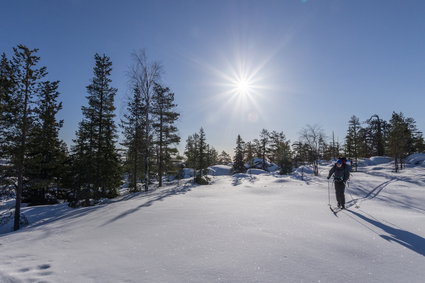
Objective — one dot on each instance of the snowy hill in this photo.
(242, 228)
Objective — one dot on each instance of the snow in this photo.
(258, 163)
(241, 228)
(220, 170)
(416, 159)
(375, 160)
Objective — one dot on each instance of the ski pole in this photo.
(329, 193)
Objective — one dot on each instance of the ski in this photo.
(335, 210)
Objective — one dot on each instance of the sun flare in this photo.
(243, 86)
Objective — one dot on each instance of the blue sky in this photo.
(302, 62)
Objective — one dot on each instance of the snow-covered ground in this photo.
(242, 228)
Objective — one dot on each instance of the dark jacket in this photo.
(341, 174)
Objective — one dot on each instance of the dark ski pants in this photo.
(339, 191)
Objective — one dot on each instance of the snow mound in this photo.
(416, 159)
(304, 169)
(258, 163)
(187, 173)
(220, 170)
(375, 160)
(254, 171)
(241, 175)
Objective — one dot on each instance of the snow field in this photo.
(242, 228)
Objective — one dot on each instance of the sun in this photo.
(243, 86)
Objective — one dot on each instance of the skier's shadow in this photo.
(405, 238)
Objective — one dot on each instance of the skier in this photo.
(341, 174)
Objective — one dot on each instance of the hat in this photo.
(339, 161)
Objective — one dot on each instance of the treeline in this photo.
(39, 167)
(271, 146)
(398, 138)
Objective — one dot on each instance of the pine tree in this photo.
(375, 135)
(47, 152)
(6, 88)
(403, 138)
(199, 155)
(224, 158)
(163, 111)
(191, 151)
(249, 154)
(238, 163)
(203, 151)
(96, 159)
(26, 78)
(280, 149)
(417, 143)
(352, 140)
(143, 77)
(133, 130)
(263, 143)
(212, 156)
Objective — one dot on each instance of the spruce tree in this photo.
(238, 163)
(164, 115)
(96, 160)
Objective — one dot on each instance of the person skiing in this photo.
(341, 174)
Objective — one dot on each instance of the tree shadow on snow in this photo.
(405, 238)
(161, 195)
(371, 194)
(238, 178)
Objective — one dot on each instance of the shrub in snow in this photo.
(417, 159)
(202, 180)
